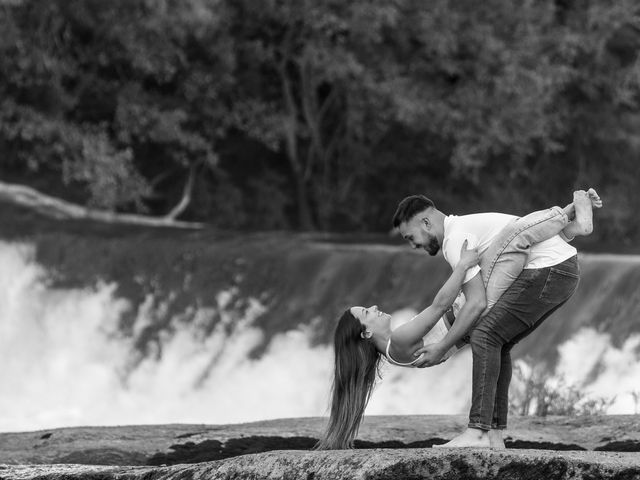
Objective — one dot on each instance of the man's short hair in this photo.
(410, 206)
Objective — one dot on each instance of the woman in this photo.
(363, 336)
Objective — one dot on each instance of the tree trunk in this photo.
(305, 220)
(302, 195)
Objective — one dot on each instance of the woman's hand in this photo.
(468, 258)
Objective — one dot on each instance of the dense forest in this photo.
(321, 115)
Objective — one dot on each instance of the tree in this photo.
(309, 89)
(321, 114)
(93, 89)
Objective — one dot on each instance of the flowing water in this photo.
(234, 331)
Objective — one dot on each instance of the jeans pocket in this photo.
(559, 286)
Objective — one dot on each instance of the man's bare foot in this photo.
(470, 438)
(495, 439)
(582, 224)
(596, 201)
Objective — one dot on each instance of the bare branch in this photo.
(186, 194)
(61, 209)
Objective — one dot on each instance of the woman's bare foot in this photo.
(584, 212)
(470, 438)
(582, 224)
(596, 201)
(495, 439)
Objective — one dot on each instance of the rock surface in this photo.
(379, 464)
(388, 447)
(183, 443)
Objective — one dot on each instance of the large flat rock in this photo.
(389, 447)
(183, 443)
(378, 464)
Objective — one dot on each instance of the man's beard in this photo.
(433, 247)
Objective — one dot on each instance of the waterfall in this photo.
(80, 354)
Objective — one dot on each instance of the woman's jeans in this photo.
(518, 302)
(508, 253)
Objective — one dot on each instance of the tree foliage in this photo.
(323, 114)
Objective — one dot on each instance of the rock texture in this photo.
(378, 464)
(388, 447)
(182, 443)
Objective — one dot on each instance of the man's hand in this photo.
(433, 354)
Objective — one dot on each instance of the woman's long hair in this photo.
(357, 363)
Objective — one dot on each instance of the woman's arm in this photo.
(409, 334)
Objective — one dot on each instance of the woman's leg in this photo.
(506, 257)
(509, 251)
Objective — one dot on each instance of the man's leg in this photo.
(501, 405)
(533, 295)
(486, 351)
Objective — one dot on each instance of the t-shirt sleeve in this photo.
(451, 251)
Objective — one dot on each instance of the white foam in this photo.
(66, 362)
(617, 369)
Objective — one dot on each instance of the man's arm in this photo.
(407, 335)
(475, 304)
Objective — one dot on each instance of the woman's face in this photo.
(373, 318)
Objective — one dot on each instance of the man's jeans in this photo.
(533, 296)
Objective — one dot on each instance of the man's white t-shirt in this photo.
(481, 228)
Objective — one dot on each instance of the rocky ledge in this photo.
(378, 464)
(393, 447)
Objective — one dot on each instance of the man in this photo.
(548, 280)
